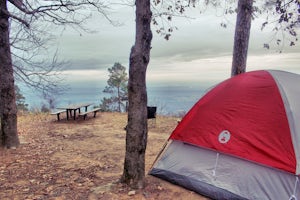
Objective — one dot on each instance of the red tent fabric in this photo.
(243, 116)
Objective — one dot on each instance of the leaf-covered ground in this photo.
(81, 159)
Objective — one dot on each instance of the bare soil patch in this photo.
(81, 159)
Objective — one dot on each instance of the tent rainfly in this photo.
(241, 140)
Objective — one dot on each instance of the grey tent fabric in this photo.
(288, 84)
(221, 176)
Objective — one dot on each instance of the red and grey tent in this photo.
(241, 140)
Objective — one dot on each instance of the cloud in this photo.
(212, 70)
(199, 50)
(85, 77)
(87, 64)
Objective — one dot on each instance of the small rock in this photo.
(32, 181)
(49, 189)
(131, 193)
(22, 140)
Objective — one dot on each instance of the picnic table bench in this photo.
(84, 114)
(58, 113)
(72, 108)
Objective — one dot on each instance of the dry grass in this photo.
(81, 159)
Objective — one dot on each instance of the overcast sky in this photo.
(199, 51)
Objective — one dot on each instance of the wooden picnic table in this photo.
(73, 108)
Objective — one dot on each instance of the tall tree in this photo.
(241, 37)
(117, 87)
(137, 128)
(57, 12)
(20, 100)
(286, 21)
(8, 108)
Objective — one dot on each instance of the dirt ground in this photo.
(81, 159)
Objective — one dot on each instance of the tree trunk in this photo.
(8, 109)
(241, 37)
(119, 99)
(137, 128)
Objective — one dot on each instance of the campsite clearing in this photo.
(81, 159)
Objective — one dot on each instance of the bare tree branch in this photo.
(16, 18)
(30, 41)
